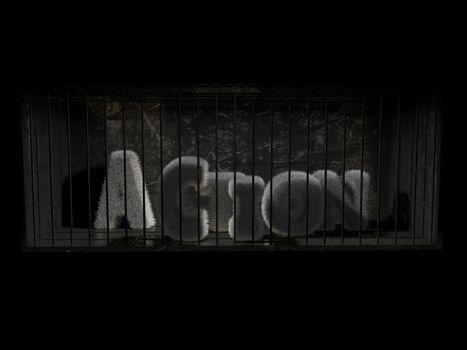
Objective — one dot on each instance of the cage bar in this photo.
(416, 171)
(69, 165)
(217, 167)
(142, 169)
(326, 117)
(174, 96)
(49, 138)
(289, 201)
(343, 168)
(253, 171)
(37, 169)
(361, 169)
(197, 171)
(235, 166)
(425, 170)
(179, 116)
(435, 131)
(88, 166)
(29, 107)
(308, 122)
(271, 172)
(396, 211)
(106, 160)
(124, 168)
(380, 147)
(161, 166)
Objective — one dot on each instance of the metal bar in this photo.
(307, 169)
(69, 166)
(253, 171)
(29, 104)
(202, 95)
(416, 171)
(343, 169)
(235, 167)
(289, 200)
(124, 168)
(161, 166)
(217, 169)
(88, 169)
(435, 131)
(397, 167)
(142, 169)
(411, 167)
(325, 165)
(271, 172)
(197, 172)
(361, 169)
(380, 140)
(106, 172)
(179, 165)
(38, 200)
(424, 171)
(49, 132)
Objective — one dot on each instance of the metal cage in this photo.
(252, 132)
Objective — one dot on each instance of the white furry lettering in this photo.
(248, 203)
(116, 192)
(188, 211)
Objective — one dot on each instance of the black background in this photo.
(239, 45)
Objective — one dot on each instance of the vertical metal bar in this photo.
(142, 169)
(124, 167)
(325, 164)
(69, 166)
(410, 192)
(161, 166)
(307, 169)
(38, 200)
(397, 167)
(380, 140)
(253, 171)
(271, 171)
(217, 169)
(343, 168)
(435, 131)
(49, 132)
(289, 200)
(424, 170)
(197, 172)
(416, 171)
(29, 104)
(361, 168)
(180, 164)
(106, 172)
(88, 168)
(235, 166)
